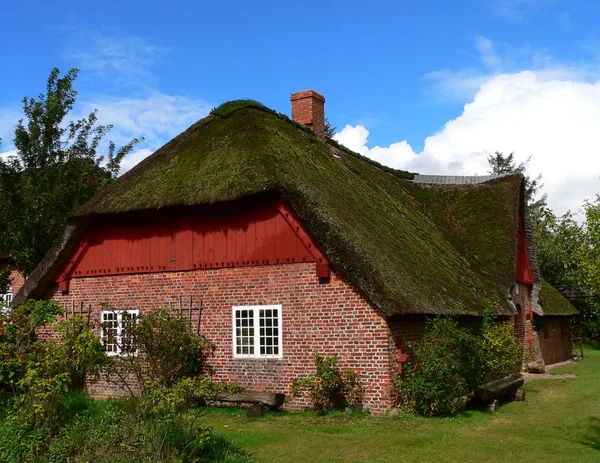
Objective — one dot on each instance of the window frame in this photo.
(119, 336)
(7, 296)
(256, 325)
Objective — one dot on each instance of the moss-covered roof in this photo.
(410, 248)
(554, 303)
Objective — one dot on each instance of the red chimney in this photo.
(308, 108)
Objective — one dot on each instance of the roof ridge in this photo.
(458, 179)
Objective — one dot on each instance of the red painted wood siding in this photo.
(523, 266)
(244, 234)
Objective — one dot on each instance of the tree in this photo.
(502, 164)
(329, 129)
(567, 250)
(56, 169)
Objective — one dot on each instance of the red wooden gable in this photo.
(523, 265)
(243, 234)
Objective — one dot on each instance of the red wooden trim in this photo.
(65, 276)
(323, 270)
(524, 274)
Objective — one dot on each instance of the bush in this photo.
(330, 388)
(114, 432)
(438, 374)
(41, 420)
(168, 350)
(500, 351)
(37, 372)
(450, 362)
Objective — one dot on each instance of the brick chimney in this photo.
(308, 108)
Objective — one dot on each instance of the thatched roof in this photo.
(411, 248)
(554, 303)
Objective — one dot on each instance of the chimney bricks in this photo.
(308, 108)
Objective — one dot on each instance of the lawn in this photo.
(558, 422)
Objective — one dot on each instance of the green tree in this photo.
(505, 164)
(57, 168)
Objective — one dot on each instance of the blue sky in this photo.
(425, 86)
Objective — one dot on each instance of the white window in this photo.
(7, 296)
(114, 331)
(257, 331)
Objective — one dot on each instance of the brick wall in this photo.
(554, 340)
(551, 342)
(17, 279)
(331, 317)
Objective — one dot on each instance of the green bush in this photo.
(329, 388)
(114, 432)
(167, 350)
(41, 420)
(439, 373)
(38, 372)
(450, 362)
(500, 351)
(18, 340)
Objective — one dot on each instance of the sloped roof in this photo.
(411, 248)
(554, 303)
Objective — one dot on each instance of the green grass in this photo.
(558, 422)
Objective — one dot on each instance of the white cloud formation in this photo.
(517, 9)
(110, 54)
(552, 120)
(4, 155)
(157, 117)
(134, 158)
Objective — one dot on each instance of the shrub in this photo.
(439, 372)
(114, 432)
(330, 388)
(500, 351)
(18, 339)
(450, 362)
(168, 350)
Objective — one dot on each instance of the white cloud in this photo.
(552, 120)
(119, 58)
(106, 57)
(516, 10)
(8, 119)
(157, 117)
(4, 155)
(493, 59)
(134, 158)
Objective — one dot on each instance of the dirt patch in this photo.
(528, 377)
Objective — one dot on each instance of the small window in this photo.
(115, 334)
(257, 331)
(7, 296)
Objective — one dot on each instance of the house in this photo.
(17, 279)
(276, 242)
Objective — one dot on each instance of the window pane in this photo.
(244, 322)
(109, 331)
(128, 320)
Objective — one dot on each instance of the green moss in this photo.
(390, 237)
(554, 303)
(230, 106)
(480, 221)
